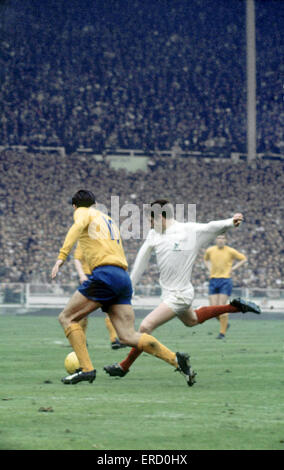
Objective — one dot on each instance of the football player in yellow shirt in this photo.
(108, 287)
(84, 272)
(219, 260)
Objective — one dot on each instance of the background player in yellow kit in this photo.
(219, 260)
(108, 287)
(84, 272)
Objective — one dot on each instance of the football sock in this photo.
(84, 324)
(128, 361)
(152, 346)
(223, 323)
(77, 339)
(111, 330)
(205, 313)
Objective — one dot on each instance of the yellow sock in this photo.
(152, 346)
(223, 323)
(111, 330)
(77, 339)
(84, 324)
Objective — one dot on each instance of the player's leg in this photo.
(122, 317)
(214, 285)
(78, 308)
(153, 320)
(214, 299)
(111, 329)
(84, 324)
(202, 314)
(159, 316)
(192, 317)
(224, 295)
(114, 341)
(224, 318)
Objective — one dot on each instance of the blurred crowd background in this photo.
(138, 74)
(35, 209)
(148, 75)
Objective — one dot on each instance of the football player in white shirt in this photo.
(176, 246)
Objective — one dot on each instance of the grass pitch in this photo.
(236, 404)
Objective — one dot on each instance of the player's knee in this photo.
(62, 319)
(190, 322)
(190, 319)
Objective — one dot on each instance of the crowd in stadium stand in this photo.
(150, 75)
(36, 212)
(166, 76)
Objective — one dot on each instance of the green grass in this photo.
(237, 402)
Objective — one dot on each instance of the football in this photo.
(71, 363)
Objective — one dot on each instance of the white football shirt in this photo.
(176, 250)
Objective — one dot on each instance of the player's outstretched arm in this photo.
(207, 232)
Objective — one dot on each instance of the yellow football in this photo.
(71, 363)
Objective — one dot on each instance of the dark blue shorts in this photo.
(220, 285)
(108, 285)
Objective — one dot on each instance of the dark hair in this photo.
(163, 207)
(83, 198)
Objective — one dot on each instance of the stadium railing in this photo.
(29, 296)
(131, 153)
